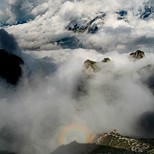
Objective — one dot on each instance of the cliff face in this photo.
(10, 67)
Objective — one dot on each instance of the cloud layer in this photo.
(54, 92)
(51, 19)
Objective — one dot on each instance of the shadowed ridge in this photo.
(6, 152)
(10, 68)
(78, 148)
(73, 148)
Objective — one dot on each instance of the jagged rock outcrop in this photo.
(69, 42)
(77, 26)
(147, 12)
(121, 14)
(91, 66)
(81, 26)
(10, 67)
(93, 29)
(108, 143)
(105, 60)
(137, 55)
(114, 139)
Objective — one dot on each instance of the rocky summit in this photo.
(137, 55)
(108, 143)
(92, 66)
(115, 140)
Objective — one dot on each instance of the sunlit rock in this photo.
(116, 140)
(91, 66)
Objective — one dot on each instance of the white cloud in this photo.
(52, 17)
(47, 100)
(40, 9)
(41, 106)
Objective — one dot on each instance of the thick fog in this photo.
(55, 102)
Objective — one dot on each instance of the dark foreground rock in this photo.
(78, 148)
(10, 67)
(5, 152)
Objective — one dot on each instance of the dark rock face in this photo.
(81, 88)
(8, 42)
(121, 14)
(81, 26)
(147, 124)
(78, 148)
(10, 68)
(93, 29)
(137, 55)
(105, 60)
(5, 152)
(147, 12)
(72, 148)
(69, 42)
(76, 26)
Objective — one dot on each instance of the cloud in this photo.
(40, 9)
(48, 97)
(40, 106)
(19, 11)
(51, 19)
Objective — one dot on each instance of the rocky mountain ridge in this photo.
(108, 143)
(116, 140)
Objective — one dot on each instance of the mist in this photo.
(54, 94)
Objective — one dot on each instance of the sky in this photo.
(55, 102)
